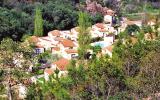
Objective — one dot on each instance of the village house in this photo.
(66, 34)
(74, 33)
(107, 50)
(54, 33)
(67, 44)
(60, 65)
(70, 54)
(47, 73)
(55, 50)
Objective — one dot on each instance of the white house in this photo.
(54, 33)
(66, 34)
(66, 44)
(74, 33)
(109, 38)
(108, 19)
(70, 54)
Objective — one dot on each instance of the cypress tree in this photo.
(38, 23)
(84, 36)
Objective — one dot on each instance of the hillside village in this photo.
(65, 42)
(122, 55)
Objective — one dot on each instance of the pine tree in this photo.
(38, 23)
(84, 37)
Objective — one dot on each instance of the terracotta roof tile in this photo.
(100, 25)
(67, 43)
(39, 45)
(55, 33)
(49, 71)
(62, 64)
(103, 30)
(34, 39)
(56, 48)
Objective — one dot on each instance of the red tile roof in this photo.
(56, 48)
(100, 25)
(49, 71)
(62, 64)
(34, 39)
(39, 45)
(71, 51)
(55, 33)
(67, 43)
(102, 30)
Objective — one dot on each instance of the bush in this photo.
(14, 23)
(96, 18)
(132, 29)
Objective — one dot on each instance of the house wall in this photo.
(108, 19)
(62, 73)
(46, 76)
(109, 39)
(53, 66)
(41, 50)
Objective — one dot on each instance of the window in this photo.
(38, 51)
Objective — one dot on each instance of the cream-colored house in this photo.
(70, 54)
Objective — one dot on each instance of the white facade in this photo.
(109, 39)
(108, 19)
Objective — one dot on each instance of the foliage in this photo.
(15, 60)
(14, 23)
(132, 29)
(38, 23)
(84, 37)
(59, 14)
(96, 18)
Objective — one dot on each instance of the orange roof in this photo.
(100, 25)
(39, 45)
(102, 30)
(56, 48)
(109, 48)
(55, 33)
(49, 71)
(62, 64)
(71, 51)
(34, 39)
(68, 43)
(110, 12)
